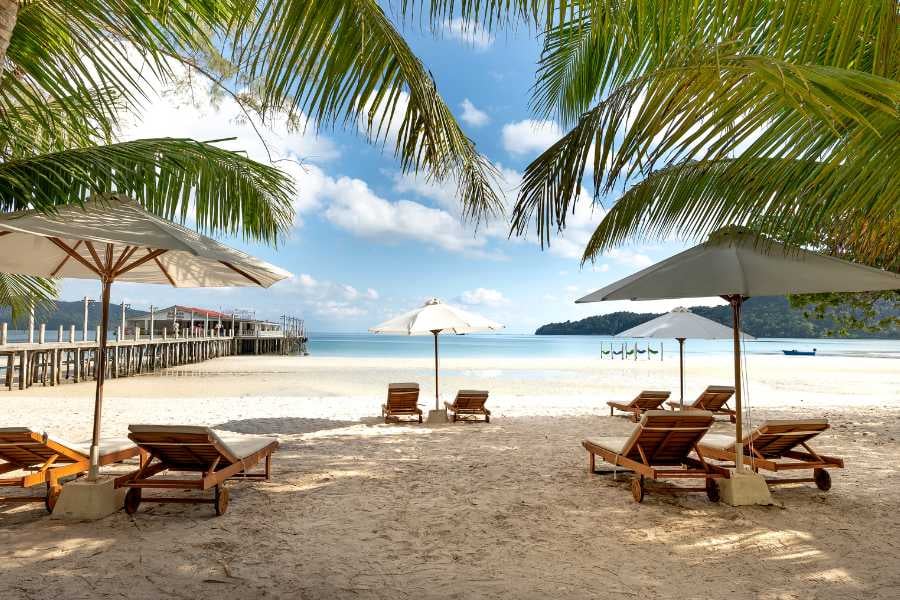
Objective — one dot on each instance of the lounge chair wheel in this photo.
(637, 488)
(823, 479)
(221, 500)
(712, 490)
(132, 500)
(52, 496)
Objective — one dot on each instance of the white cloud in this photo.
(386, 119)
(530, 136)
(483, 297)
(198, 116)
(443, 193)
(470, 33)
(354, 207)
(629, 257)
(472, 115)
(326, 298)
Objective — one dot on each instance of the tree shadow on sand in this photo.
(282, 425)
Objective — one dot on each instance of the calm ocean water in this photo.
(537, 346)
(506, 345)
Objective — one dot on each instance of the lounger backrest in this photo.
(667, 437)
(25, 447)
(650, 399)
(470, 399)
(773, 438)
(182, 447)
(403, 396)
(714, 397)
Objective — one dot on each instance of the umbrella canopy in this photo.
(737, 265)
(740, 264)
(681, 324)
(433, 317)
(117, 240)
(144, 248)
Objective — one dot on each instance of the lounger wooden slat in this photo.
(773, 446)
(402, 401)
(646, 400)
(217, 456)
(659, 447)
(44, 460)
(713, 399)
(469, 406)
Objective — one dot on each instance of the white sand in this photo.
(360, 509)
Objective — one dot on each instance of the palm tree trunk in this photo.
(9, 10)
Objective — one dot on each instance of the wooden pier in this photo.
(49, 364)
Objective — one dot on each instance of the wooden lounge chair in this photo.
(658, 448)
(402, 401)
(773, 447)
(714, 399)
(646, 400)
(468, 405)
(216, 456)
(46, 460)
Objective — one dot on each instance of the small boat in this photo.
(799, 352)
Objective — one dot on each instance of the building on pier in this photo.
(189, 320)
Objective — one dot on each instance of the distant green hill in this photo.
(69, 313)
(769, 317)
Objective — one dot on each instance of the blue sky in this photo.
(369, 242)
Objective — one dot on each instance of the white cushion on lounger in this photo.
(81, 448)
(110, 445)
(718, 441)
(239, 445)
(611, 443)
(779, 422)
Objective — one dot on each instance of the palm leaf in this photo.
(22, 293)
(343, 62)
(786, 197)
(229, 192)
(708, 106)
(63, 49)
(605, 43)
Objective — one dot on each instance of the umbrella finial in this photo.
(432, 302)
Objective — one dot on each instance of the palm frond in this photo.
(27, 132)
(605, 43)
(788, 198)
(226, 191)
(22, 293)
(343, 62)
(64, 49)
(709, 106)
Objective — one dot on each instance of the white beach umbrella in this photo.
(117, 240)
(432, 318)
(737, 265)
(681, 324)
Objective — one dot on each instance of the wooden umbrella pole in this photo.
(681, 368)
(736, 301)
(94, 471)
(436, 393)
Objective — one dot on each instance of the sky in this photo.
(370, 242)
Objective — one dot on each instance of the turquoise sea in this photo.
(537, 346)
(505, 345)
